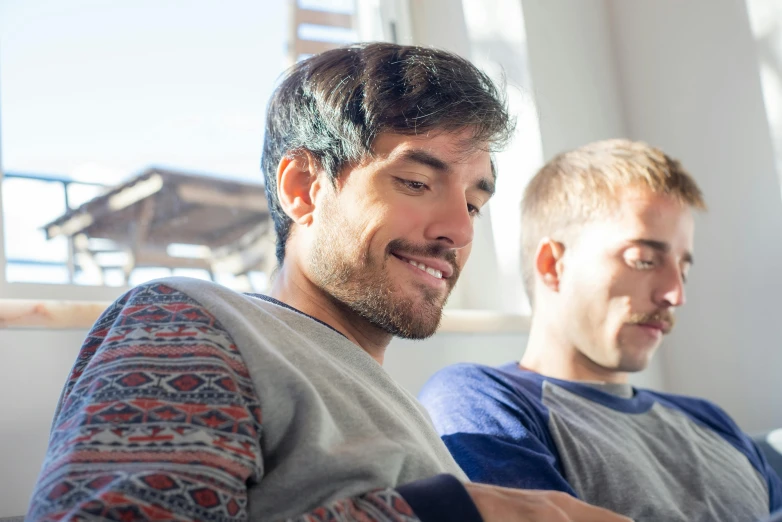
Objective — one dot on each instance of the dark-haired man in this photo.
(189, 401)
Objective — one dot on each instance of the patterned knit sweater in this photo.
(192, 402)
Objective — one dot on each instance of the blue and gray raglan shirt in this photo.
(647, 455)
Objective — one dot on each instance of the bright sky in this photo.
(100, 90)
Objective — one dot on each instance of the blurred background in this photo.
(130, 139)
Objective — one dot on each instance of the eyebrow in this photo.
(429, 160)
(662, 247)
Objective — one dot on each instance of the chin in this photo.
(635, 364)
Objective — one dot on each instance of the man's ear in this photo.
(549, 262)
(297, 185)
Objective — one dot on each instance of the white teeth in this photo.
(429, 270)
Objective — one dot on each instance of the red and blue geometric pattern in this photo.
(159, 420)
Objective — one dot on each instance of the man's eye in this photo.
(416, 186)
(473, 210)
(644, 265)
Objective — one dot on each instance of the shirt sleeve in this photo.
(159, 420)
(497, 434)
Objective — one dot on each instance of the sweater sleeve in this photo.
(159, 420)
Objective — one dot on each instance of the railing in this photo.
(69, 263)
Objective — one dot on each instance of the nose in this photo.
(670, 293)
(451, 222)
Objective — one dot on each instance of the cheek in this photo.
(627, 286)
(463, 254)
(590, 292)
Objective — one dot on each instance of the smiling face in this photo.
(393, 236)
(623, 277)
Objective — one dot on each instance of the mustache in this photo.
(434, 250)
(660, 316)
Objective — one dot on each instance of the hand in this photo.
(498, 504)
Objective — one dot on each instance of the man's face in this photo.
(624, 276)
(395, 234)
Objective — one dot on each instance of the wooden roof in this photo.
(159, 207)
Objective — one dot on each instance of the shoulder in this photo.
(477, 379)
(700, 410)
(468, 397)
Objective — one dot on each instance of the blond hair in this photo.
(578, 185)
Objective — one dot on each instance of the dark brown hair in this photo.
(335, 104)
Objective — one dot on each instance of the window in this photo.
(132, 131)
(766, 21)
(497, 38)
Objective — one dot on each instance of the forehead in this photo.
(454, 148)
(642, 214)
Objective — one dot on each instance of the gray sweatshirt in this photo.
(209, 404)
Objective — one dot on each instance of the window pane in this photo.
(101, 93)
(28, 205)
(79, 193)
(142, 275)
(31, 273)
(325, 33)
(333, 6)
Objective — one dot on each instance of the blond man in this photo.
(607, 245)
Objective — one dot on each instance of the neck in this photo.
(295, 289)
(549, 353)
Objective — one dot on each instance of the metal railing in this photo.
(66, 182)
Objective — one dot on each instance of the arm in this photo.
(159, 420)
(496, 432)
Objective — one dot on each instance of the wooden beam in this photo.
(159, 257)
(311, 47)
(30, 313)
(309, 16)
(86, 259)
(192, 193)
(54, 314)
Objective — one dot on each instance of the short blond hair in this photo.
(578, 185)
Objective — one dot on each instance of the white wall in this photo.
(411, 363)
(573, 73)
(696, 93)
(33, 369)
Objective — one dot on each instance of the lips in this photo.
(436, 267)
(657, 325)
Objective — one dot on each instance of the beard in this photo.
(361, 284)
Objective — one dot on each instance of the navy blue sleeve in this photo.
(496, 431)
(441, 497)
(716, 419)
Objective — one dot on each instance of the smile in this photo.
(429, 270)
(423, 267)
